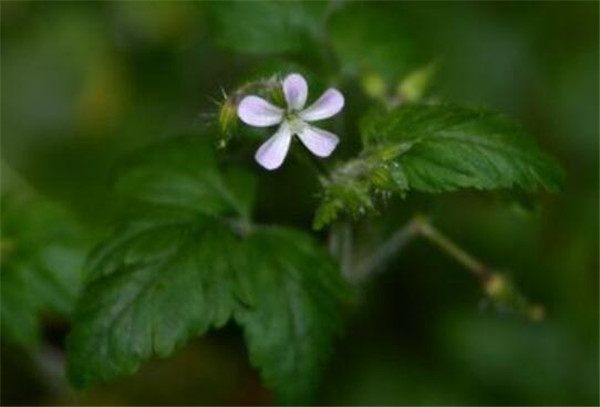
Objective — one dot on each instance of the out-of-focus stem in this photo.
(387, 250)
(476, 267)
(496, 285)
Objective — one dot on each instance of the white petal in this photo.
(258, 112)
(273, 151)
(320, 142)
(295, 90)
(329, 104)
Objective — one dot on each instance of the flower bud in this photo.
(227, 120)
(413, 87)
(496, 286)
(373, 85)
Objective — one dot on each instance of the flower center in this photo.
(294, 121)
(291, 115)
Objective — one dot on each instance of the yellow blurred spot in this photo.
(373, 85)
(537, 313)
(414, 86)
(495, 286)
(103, 98)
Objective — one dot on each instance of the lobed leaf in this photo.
(298, 294)
(180, 264)
(153, 289)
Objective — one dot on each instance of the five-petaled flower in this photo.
(256, 111)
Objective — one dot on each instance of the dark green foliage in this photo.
(436, 149)
(153, 286)
(181, 264)
(182, 174)
(42, 252)
(297, 292)
(364, 41)
(455, 147)
(266, 26)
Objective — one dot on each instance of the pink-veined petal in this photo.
(258, 112)
(329, 104)
(295, 90)
(273, 151)
(320, 142)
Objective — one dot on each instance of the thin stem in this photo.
(476, 267)
(346, 248)
(497, 286)
(390, 248)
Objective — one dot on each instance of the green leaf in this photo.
(435, 149)
(448, 148)
(180, 264)
(42, 250)
(266, 26)
(165, 275)
(153, 286)
(370, 38)
(182, 174)
(298, 294)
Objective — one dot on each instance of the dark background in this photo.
(83, 84)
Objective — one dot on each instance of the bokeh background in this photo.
(83, 84)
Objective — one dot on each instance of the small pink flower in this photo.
(256, 111)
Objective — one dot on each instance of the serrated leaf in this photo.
(174, 269)
(435, 149)
(159, 286)
(299, 293)
(266, 26)
(455, 147)
(42, 251)
(165, 274)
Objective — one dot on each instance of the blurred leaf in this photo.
(266, 26)
(448, 148)
(533, 363)
(182, 174)
(298, 293)
(415, 85)
(179, 265)
(369, 37)
(42, 251)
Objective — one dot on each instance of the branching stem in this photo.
(498, 287)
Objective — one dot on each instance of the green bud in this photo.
(227, 121)
(374, 85)
(504, 292)
(277, 96)
(413, 87)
